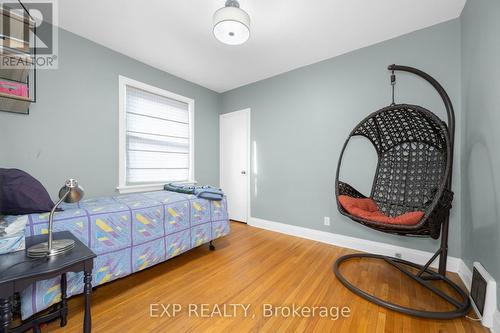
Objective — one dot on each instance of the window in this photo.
(156, 137)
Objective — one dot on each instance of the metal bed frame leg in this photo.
(211, 246)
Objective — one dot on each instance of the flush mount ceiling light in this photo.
(231, 24)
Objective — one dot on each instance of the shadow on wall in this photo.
(482, 226)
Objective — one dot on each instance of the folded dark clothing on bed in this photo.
(204, 192)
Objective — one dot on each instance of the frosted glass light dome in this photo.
(231, 24)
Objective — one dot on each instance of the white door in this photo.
(235, 162)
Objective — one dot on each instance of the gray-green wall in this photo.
(72, 130)
(481, 158)
(300, 120)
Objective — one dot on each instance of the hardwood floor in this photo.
(256, 267)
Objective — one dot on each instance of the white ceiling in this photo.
(176, 35)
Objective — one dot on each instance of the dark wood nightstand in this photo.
(17, 272)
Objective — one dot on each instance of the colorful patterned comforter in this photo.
(128, 233)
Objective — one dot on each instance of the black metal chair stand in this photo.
(423, 277)
(414, 172)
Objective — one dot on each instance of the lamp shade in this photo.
(75, 194)
(231, 24)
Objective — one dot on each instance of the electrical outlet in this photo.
(326, 220)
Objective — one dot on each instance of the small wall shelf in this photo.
(22, 70)
(17, 61)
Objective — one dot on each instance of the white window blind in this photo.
(157, 138)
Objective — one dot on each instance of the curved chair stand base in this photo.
(423, 277)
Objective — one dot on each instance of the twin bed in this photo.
(128, 233)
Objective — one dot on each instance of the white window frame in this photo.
(123, 82)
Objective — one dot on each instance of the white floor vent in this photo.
(483, 293)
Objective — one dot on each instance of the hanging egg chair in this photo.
(411, 193)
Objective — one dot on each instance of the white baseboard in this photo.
(417, 256)
(455, 265)
(465, 274)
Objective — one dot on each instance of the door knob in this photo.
(243, 172)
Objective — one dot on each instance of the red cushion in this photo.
(367, 209)
(410, 218)
(364, 204)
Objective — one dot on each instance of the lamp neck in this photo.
(51, 219)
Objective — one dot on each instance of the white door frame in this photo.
(248, 111)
